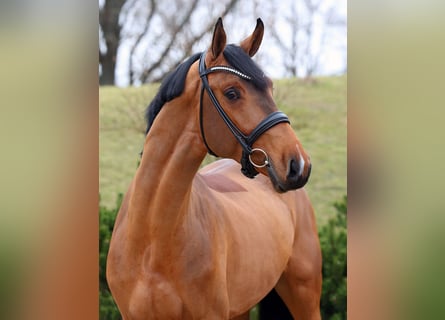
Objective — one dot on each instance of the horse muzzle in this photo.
(297, 175)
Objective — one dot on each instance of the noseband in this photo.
(247, 164)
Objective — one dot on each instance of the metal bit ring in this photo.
(266, 158)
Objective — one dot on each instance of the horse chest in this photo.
(152, 297)
(173, 294)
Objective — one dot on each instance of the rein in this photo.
(247, 164)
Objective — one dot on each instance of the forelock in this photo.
(241, 61)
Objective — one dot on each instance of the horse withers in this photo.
(211, 244)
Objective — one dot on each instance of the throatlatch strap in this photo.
(247, 167)
(201, 125)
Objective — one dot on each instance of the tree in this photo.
(143, 40)
(111, 31)
(156, 35)
(301, 34)
(182, 24)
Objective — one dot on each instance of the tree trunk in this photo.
(108, 63)
(109, 22)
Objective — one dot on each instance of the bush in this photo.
(333, 246)
(107, 308)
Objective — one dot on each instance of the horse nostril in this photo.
(295, 178)
(293, 170)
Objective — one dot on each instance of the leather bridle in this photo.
(247, 164)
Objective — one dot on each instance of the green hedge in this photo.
(107, 308)
(333, 237)
(333, 244)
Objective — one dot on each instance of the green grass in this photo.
(316, 109)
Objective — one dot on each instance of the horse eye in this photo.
(232, 94)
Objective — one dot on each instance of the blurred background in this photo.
(141, 40)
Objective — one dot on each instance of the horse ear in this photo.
(219, 39)
(252, 43)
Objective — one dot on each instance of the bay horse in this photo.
(211, 244)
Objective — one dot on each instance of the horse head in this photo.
(239, 118)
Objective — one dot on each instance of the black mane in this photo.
(173, 85)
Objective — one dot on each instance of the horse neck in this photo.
(173, 152)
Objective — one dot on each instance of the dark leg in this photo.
(272, 307)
